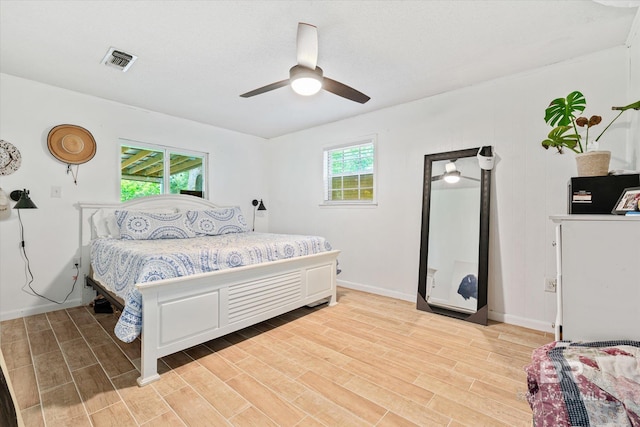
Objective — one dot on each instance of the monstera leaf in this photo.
(562, 114)
(561, 111)
(635, 106)
(558, 139)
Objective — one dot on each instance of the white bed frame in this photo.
(183, 312)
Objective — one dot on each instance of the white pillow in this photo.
(152, 226)
(99, 227)
(212, 222)
(103, 222)
(112, 225)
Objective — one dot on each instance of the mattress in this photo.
(585, 384)
(121, 264)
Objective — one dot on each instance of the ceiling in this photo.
(196, 57)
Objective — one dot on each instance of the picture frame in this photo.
(628, 201)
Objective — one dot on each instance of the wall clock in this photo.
(10, 158)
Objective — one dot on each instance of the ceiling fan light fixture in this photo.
(452, 174)
(452, 177)
(305, 81)
(306, 86)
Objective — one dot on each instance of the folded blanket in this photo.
(585, 384)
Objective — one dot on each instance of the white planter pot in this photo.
(593, 163)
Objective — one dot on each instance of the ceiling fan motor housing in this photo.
(305, 81)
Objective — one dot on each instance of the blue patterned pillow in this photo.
(153, 226)
(212, 222)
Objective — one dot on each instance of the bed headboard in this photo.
(179, 202)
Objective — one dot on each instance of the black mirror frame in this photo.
(481, 315)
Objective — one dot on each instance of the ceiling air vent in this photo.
(119, 59)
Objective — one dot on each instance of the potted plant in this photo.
(561, 114)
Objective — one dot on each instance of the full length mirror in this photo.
(454, 249)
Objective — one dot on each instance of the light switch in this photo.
(56, 191)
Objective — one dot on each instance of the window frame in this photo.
(166, 159)
(356, 142)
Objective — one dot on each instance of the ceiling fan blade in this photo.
(266, 88)
(307, 45)
(344, 91)
(441, 177)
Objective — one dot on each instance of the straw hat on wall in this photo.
(71, 144)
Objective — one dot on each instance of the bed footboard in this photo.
(181, 313)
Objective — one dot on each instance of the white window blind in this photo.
(350, 173)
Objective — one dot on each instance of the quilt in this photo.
(585, 384)
(121, 264)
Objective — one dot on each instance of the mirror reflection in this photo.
(455, 229)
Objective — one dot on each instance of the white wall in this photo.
(634, 84)
(28, 111)
(380, 246)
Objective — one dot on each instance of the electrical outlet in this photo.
(74, 262)
(550, 285)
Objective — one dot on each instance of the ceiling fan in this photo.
(306, 78)
(452, 174)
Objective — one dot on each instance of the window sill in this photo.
(350, 205)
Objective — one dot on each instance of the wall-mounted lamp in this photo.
(259, 204)
(260, 207)
(25, 202)
(23, 199)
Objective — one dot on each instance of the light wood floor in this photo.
(369, 360)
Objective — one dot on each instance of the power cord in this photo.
(29, 275)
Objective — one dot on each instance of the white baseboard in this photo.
(376, 291)
(437, 300)
(538, 325)
(8, 315)
(493, 315)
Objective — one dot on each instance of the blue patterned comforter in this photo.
(121, 264)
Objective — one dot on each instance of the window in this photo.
(144, 169)
(349, 173)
